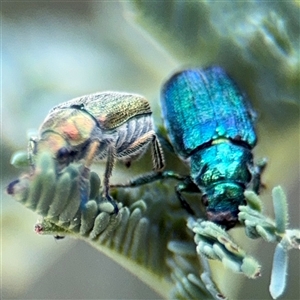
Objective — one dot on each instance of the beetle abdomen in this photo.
(127, 139)
(201, 105)
(130, 132)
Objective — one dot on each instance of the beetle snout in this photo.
(223, 200)
(226, 219)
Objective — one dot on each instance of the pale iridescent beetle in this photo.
(108, 125)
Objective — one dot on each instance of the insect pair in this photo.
(209, 123)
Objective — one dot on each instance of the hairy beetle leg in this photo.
(84, 193)
(148, 178)
(84, 176)
(158, 159)
(83, 186)
(164, 141)
(108, 171)
(157, 154)
(185, 185)
(258, 169)
(91, 153)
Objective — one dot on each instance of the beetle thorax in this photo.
(223, 162)
(73, 125)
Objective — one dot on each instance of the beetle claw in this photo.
(114, 203)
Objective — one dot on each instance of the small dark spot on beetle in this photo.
(237, 138)
(77, 106)
(128, 164)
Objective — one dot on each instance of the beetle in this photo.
(210, 124)
(101, 126)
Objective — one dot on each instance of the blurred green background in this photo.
(55, 51)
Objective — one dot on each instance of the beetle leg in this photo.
(164, 140)
(91, 153)
(148, 178)
(258, 169)
(108, 170)
(84, 192)
(157, 153)
(109, 167)
(186, 186)
(140, 180)
(111, 153)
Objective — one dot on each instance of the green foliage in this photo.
(150, 236)
(20, 159)
(259, 35)
(214, 243)
(145, 236)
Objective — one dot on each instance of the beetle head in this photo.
(222, 201)
(57, 145)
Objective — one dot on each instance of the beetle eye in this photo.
(62, 154)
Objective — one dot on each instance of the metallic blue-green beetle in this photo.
(211, 123)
